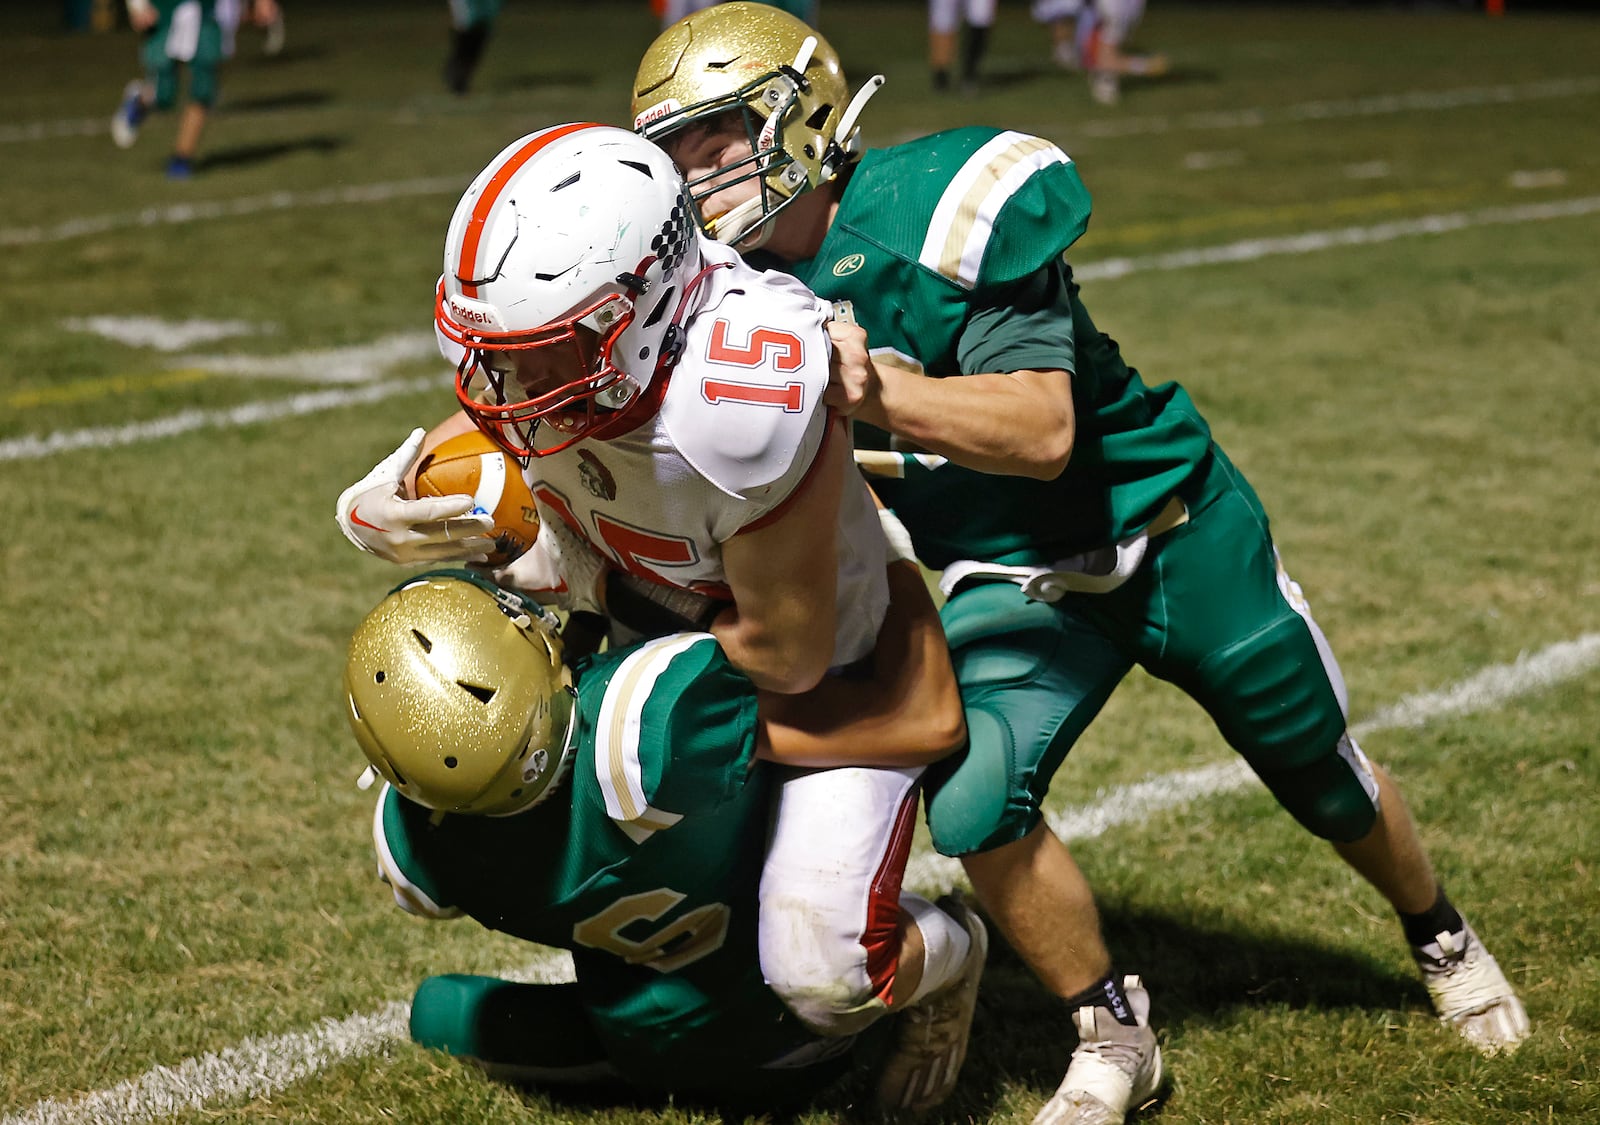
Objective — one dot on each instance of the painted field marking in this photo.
(180, 213)
(260, 1067)
(1337, 109)
(1416, 101)
(32, 447)
(1254, 249)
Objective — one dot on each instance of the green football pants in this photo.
(1211, 611)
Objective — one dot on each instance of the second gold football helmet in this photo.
(458, 694)
(785, 79)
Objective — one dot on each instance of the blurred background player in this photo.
(177, 35)
(471, 23)
(972, 20)
(1061, 18)
(666, 401)
(635, 845)
(266, 14)
(1085, 521)
(1099, 32)
(671, 11)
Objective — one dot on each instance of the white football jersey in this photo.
(738, 430)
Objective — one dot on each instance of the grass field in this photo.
(1365, 239)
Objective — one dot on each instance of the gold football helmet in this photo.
(786, 80)
(458, 695)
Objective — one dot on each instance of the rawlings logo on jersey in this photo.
(848, 264)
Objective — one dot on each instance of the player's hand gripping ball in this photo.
(470, 464)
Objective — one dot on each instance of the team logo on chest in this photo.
(848, 264)
(596, 478)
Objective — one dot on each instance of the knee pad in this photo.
(819, 973)
(972, 805)
(830, 889)
(1272, 698)
(1334, 797)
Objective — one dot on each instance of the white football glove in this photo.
(374, 516)
(560, 569)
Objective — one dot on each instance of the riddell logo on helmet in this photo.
(472, 314)
(656, 113)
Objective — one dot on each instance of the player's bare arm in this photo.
(1019, 423)
(907, 713)
(780, 631)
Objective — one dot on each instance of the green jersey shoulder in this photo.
(657, 828)
(953, 251)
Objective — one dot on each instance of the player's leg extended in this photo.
(537, 1033)
(830, 889)
(1235, 632)
(1033, 677)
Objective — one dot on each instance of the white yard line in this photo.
(1309, 242)
(1324, 110)
(260, 1067)
(1377, 105)
(33, 447)
(1337, 109)
(181, 213)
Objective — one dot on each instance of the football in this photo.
(472, 465)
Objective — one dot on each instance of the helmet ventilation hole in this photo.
(378, 677)
(427, 645)
(450, 762)
(481, 694)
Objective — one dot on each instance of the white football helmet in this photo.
(568, 260)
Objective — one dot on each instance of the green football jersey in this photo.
(646, 865)
(952, 249)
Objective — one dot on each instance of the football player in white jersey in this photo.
(666, 401)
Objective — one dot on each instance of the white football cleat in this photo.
(129, 116)
(1105, 87)
(1470, 993)
(931, 1038)
(273, 43)
(1115, 1068)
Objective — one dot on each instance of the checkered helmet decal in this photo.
(671, 243)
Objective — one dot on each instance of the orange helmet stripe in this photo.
(473, 234)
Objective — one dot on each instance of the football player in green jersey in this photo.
(615, 807)
(176, 34)
(1085, 521)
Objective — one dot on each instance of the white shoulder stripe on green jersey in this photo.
(617, 730)
(958, 234)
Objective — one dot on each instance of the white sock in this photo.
(945, 944)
